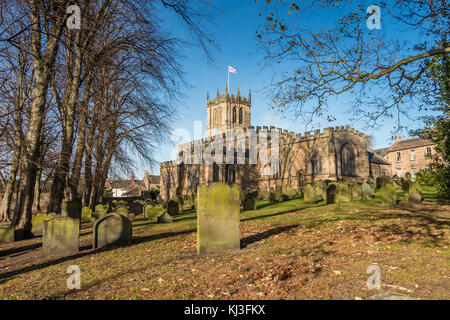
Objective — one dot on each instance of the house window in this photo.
(428, 152)
(399, 173)
(413, 155)
(398, 157)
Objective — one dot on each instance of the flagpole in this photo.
(228, 80)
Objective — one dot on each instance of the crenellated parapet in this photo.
(231, 98)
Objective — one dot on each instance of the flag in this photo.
(231, 69)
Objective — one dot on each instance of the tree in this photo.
(383, 76)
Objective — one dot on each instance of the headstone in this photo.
(320, 189)
(356, 192)
(249, 203)
(414, 195)
(152, 212)
(217, 218)
(6, 233)
(345, 192)
(309, 194)
(173, 207)
(114, 229)
(60, 236)
(366, 191)
(86, 214)
(179, 200)
(265, 194)
(332, 194)
(122, 210)
(71, 209)
(388, 195)
(273, 197)
(165, 218)
(99, 212)
(37, 222)
(136, 208)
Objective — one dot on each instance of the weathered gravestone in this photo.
(332, 194)
(388, 195)
(99, 212)
(320, 189)
(249, 203)
(71, 209)
(37, 222)
(366, 191)
(356, 192)
(173, 207)
(86, 214)
(6, 233)
(273, 197)
(165, 218)
(345, 192)
(152, 212)
(217, 218)
(60, 236)
(136, 208)
(114, 229)
(309, 194)
(414, 194)
(121, 210)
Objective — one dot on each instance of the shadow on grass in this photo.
(86, 251)
(264, 235)
(279, 213)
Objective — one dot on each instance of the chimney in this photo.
(132, 177)
(398, 138)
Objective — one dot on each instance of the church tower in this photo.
(227, 111)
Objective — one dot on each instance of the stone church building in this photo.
(333, 154)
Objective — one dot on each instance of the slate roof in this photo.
(410, 144)
(374, 158)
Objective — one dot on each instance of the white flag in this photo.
(231, 69)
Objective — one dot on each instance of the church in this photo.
(333, 154)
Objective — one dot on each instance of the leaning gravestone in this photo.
(217, 218)
(114, 229)
(366, 191)
(332, 194)
(121, 210)
(388, 195)
(249, 203)
(165, 218)
(60, 236)
(309, 195)
(6, 233)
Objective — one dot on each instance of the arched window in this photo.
(348, 160)
(240, 115)
(215, 172)
(234, 114)
(230, 174)
(316, 164)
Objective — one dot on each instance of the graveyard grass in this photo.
(289, 250)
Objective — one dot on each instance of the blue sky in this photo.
(236, 24)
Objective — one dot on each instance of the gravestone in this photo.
(136, 208)
(320, 189)
(121, 210)
(288, 191)
(273, 197)
(356, 192)
(71, 209)
(265, 194)
(217, 218)
(414, 195)
(165, 218)
(309, 194)
(99, 212)
(173, 207)
(114, 229)
(332, 194)
(86, 214)
(345, 192)
(37, 222)
(152, 212)
(60, 236)
(6, 233)
(249, 203)
(388, 195)
(366, 191)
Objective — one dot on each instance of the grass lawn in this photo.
(290, 250)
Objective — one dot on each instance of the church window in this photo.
(316, 164)
(234, 114)
(348, 160)
(240, 115)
